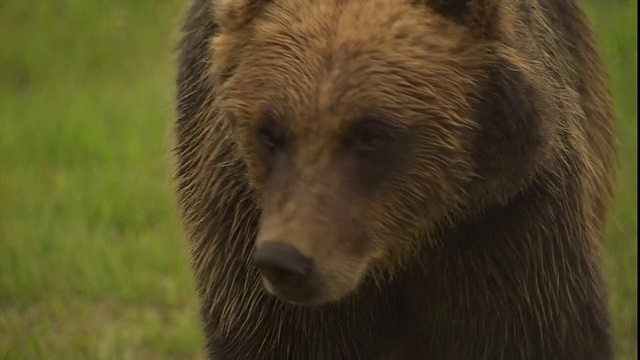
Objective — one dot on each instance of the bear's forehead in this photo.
(314, 61)
(324, 37)
(348, 20)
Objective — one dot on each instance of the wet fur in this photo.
(512, 272)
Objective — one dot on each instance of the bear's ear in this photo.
(234, 14)
(480, 16)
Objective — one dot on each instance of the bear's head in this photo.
(364, 128)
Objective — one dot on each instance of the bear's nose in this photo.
(282, 265)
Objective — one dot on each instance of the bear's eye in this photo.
(369, 136)
(269, 139)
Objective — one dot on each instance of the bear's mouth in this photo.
(305, 292)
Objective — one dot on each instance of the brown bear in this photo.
(395, 179)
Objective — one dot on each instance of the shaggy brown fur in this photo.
(447, 164)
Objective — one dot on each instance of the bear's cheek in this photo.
(415, 202)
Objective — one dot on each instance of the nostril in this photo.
(281, 263)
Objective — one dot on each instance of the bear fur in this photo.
(468, 225)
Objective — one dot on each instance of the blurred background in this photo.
(93, 264)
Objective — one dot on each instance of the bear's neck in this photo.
(361, 327)
(519, 280)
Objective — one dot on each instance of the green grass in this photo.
(93, 264)
(615, 24)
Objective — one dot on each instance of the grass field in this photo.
(92, 261)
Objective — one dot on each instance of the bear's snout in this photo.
(281, 263)
(289, 273)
